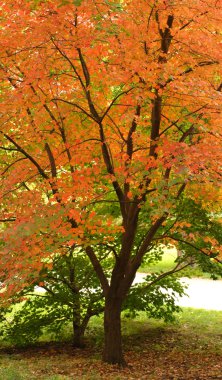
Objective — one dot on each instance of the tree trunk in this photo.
(78, 330)
(113, 353)
(78, 336)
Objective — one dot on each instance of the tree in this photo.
(109, 103)
(69, 292)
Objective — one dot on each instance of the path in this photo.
(201, 293)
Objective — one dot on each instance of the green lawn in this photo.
(168, 262)
(185, 349)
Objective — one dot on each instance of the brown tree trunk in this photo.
(113, 353)
(78, 330)
(78, 336)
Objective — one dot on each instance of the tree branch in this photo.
(148, 238)
(75, 105)
(51, 160)
(98, 269)
(27, 155)
(163, 275)
(12, 219)
(193, 246)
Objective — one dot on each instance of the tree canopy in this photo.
(110, 115)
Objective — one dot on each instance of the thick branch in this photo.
(166, 38)
(155, 123)
(70, 62)
(98, 269)
(147, 240)
(87, 91)
(166, 35)
(63, 134)
(131, 131)
(51, 160)
(110, 170)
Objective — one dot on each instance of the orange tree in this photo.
(110, 113)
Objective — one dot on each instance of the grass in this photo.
(151, 346)
(168, 262)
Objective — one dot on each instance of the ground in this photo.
(145, 362)
(154, 351)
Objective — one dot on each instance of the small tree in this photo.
(69, 292)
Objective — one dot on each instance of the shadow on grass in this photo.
(189, 349)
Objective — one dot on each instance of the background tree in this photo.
(67, 293)
(69, 296)
(105, 103)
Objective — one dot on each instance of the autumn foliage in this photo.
(110, 115)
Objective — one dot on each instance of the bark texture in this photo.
(113, 353)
